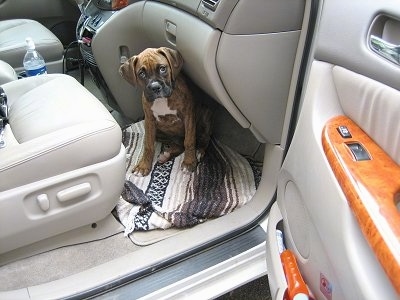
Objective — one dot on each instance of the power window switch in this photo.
(344, 132)
(358, 151)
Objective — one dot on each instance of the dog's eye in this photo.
(163, 69)
(142, 74)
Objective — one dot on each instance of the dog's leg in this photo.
(143, 168)
(203, 131)
(190, 161)
(170, 151)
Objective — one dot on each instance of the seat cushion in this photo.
(13, 46)
(56, 126)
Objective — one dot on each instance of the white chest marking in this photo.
(160, 108)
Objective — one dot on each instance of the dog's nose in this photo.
(155, 86)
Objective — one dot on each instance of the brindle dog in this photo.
(172, 116)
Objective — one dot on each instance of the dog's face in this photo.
(154, 71)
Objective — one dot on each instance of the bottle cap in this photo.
(30, 43)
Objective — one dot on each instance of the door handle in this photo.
(385, 49)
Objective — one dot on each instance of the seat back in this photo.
(13, 46)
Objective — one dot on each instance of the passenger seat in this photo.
(63, 163)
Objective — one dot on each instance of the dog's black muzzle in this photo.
(157, 89)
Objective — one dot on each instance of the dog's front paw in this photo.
(164, 157)
(142, 169)
(189, 166)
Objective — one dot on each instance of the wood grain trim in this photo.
(371, 187)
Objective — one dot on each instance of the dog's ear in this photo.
(127, 70)
(174, 58)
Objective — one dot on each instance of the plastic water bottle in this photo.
(33, 62)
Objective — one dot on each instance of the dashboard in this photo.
(243, 54)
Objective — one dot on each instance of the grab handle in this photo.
(385, 49)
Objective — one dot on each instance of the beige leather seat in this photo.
(7, 73)
(63, 165)
(13, 46)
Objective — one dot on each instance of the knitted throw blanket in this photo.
(169, 197)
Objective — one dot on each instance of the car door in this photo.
(338, 189)
(60, 16)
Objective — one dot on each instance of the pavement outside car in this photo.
(254, 290)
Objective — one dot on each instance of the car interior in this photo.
(305, 98)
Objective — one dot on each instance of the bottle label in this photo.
(35, 72)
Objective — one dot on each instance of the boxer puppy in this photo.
(172, 116)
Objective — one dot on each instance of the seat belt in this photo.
(3, 116)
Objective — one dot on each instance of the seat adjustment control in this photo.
(43, 202)
(74, 192)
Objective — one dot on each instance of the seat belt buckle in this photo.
(3, 104)
(3, 116)
(2, 130)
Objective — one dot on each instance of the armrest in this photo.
(372, 189)
(7, 73)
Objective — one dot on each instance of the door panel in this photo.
(340, 216)
(370, 181)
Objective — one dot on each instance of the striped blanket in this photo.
(169, 197)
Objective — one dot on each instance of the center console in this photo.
(95, 13)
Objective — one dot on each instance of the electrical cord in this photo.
(64, 67)
(79, 60)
